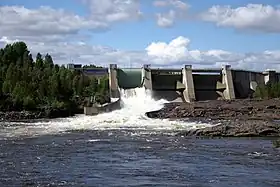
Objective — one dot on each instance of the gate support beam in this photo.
(113, 81)
(147, 77)
(189, 93)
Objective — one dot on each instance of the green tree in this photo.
(48, 61)
(39, 61)
(29, 85)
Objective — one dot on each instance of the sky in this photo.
(164, 33)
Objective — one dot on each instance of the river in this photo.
(125, 148)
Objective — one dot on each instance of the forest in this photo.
(40, 84)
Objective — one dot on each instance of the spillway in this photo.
(135, 102)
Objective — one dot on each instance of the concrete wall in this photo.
(278, 77)
(90, 111)
(241, 81)
(205, 86)
(245, 82)
(165, 82)
(206, 82)
(97, 109)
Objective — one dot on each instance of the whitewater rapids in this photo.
(131, 116)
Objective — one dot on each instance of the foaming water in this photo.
(135, 102)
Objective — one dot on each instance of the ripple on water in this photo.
(112, 158)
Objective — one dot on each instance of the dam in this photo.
(186, 84)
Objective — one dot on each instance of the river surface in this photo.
(124, 148)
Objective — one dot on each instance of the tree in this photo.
(39, 61)
(48, 61)
(29, 85)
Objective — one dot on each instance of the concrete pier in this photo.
(270, 77)
(147, 77)
(96, 109)
(113, 81)
(189, 92)
(228, 81)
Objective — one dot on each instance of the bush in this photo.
(268, 91)
(29, 103)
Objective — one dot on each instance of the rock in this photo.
(271, 107)
(245, 109)
(244, 117)
(57, 113)
(240, 128)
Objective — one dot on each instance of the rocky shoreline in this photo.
(21, 116)
(237, 118)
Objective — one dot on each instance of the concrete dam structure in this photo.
(186, 84)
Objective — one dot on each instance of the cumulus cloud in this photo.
(58, 32)
(58, 24)
(83, 53)
(177, 52)
(20, 21)
(177, 10)
(174, 54)
(258, 17)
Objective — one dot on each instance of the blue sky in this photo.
(243, 33)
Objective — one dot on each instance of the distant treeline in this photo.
(27, 84)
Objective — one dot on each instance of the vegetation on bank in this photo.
(268, 91)
(27, 84)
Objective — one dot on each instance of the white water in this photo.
(135, 102)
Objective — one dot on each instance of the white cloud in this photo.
(172, 3)
(49, 30)
(114, 10)
(177, 10)
(176, 53)
(166, 19)
(256, 17)
(82, 53)
(20, 21)
(176, 50)
(58, 24)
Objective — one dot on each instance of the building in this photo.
(74, 66)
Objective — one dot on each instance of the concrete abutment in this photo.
(229, 92)
(113, 81)
(187, 79)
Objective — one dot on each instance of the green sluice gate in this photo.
(129, 78)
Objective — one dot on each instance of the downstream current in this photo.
(125, 148)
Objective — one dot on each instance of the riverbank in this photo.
(16, 116)
(230, 118)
